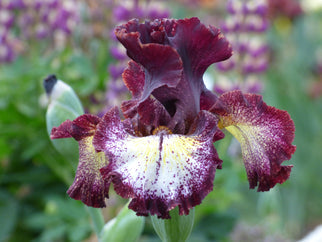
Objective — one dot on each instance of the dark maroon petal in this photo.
(162, 63)
(84, 126)
(88, 186)
(207, 99)
(199, 46)
(265, 134)
(202, 127)
(133, 77)
(160, 171)
(153, 113)
(62, 131)
(130, 108)
(81, 127)
(174, 55)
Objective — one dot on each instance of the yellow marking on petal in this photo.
(88, 152)
(144, 148)
(225, 121)
(220, 124)
(236, 132)
(250, 141)
(179, 149)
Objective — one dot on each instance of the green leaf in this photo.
(176, 229)
(125, 227)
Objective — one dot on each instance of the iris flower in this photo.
(158, 149)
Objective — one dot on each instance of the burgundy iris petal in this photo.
(198, 45)
(265, 134)
(162, 63)
(88, 185)
(174, 54)
(163, 170)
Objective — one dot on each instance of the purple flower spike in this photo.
(121, 13)
(253, 86)
(255, 7)
(15, 4)
(155, 13)
(258, 51)
(262, 10)
(115, 70)
(117, 53)
(6, 19)
(226, 65)
(230, 7)
(258, 26)
(245, 25)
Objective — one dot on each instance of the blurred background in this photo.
(277, 53)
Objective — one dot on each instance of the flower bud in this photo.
(63, 105)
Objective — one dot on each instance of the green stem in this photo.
(176, 229)
(97, 218)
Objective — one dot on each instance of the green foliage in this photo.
(33, 174)
(126, 226)
(62, 219)
(9, 214)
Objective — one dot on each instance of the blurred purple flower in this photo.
(244, 27)
(27, 20)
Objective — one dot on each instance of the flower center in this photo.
(161, 130)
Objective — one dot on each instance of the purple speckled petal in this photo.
(264, 132)
(163, 170)
(88, 185)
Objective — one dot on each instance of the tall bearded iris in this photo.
(159, 150)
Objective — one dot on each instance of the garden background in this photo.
(74, 40)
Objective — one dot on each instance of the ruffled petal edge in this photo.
(265, 134)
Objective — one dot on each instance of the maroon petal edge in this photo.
(265, 134)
